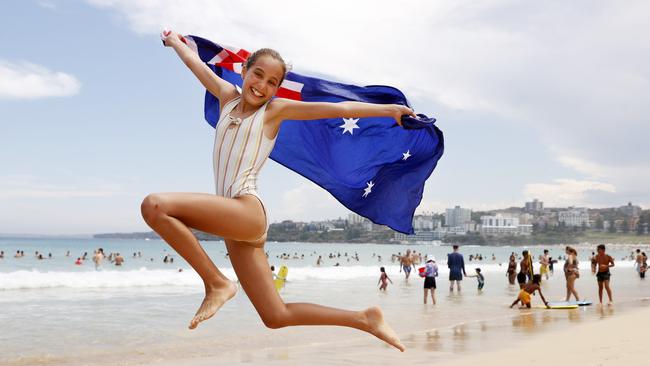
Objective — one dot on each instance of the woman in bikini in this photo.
(571, 273)
(245, 134)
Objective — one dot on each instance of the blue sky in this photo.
(545, 100)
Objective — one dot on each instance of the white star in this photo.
(349, 124)
(407, 154)
(368, 189)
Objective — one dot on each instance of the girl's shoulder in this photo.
(227, 100)
(274, 108)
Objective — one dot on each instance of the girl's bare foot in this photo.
(378, 327)
(215, 297)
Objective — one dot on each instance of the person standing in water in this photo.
(525, 269)
(98, 258)
(118, 260)
(512, 269)
(571, 272)
(430, 274)
(643, 268)
(604, 262)
(456, 265)
(246, 131)
(383, 279)
(594, 263)
(481, 279)
(406, 263)
(544, 263)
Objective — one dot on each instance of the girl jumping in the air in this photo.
(246, 131)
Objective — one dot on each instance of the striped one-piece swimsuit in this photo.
(240, 150)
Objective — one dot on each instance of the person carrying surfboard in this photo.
(527, 291)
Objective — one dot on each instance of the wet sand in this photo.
(586, 336)
(620, 340)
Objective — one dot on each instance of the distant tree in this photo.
(639, 228)
(352, 233)
(626, 226)
(535, 228)
(583, 228)
(600, 225)
(546, 226)
(612, 227)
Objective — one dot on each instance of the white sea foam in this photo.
(97, 279)
(188, 278)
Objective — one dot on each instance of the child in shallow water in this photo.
(480, 278)
(527, 291)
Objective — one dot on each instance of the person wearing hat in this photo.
(430, 274)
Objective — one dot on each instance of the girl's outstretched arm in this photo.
(220, 88)
(287, 109)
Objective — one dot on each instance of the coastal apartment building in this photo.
(535, 206)
(504, 225)
(457, 216)
(574, 217)
(630, 210)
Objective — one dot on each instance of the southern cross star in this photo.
(349, 124)
(368, 189)
(407, 154)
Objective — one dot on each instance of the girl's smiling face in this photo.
(262, 80)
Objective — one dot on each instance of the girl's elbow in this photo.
(344, 109)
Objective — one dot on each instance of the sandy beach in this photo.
(613, 340)
(619, 340)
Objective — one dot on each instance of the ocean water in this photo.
(53, 312)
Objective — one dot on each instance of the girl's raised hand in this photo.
(169, 37)
(401, 110)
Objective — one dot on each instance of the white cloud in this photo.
(29, 81)
(574, 72)
(589, 168)
(565, 192)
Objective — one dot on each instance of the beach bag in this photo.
(422, 272)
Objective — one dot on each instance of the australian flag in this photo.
(373, 166)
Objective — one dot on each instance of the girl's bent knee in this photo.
(274, 321)
(151, 208)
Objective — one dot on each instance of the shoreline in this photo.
(613, 338)
(591, 241)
